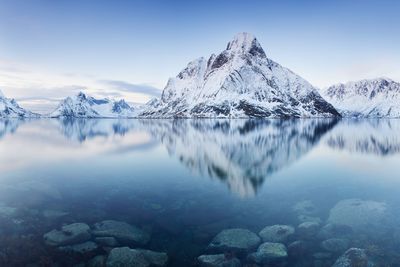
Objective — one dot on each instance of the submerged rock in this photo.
(240, 240)
(269, 253)
(124, 256)
(306, 218)
(298, 248)
(82, 248)
(351, 258)
(98, 261)
(106, 241)
(122, 231)
(305, 207)
(276, 233)
(155, 258)
(332, 230)
(69, 234)
(121, 257)
(358, 214)
(308, 229)
(335, 245)
(218, 260)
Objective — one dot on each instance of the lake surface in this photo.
(184, 181)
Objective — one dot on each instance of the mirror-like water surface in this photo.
(173, 185)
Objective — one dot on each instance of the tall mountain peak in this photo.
(245, 42)
(239, 82)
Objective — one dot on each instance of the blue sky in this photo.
(129, 49)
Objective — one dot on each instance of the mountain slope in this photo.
(366, 98)
(239, 82)
(82, 106)
(10, 109)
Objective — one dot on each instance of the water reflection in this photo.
(83, 129)
(240, 153)
(9, 126)
(368, 136)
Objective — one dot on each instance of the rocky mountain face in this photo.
(9, 108)
(83, 106)
(241, 81)
(366, 98)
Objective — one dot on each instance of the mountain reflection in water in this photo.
(240, 153)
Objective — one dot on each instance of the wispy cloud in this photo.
(133, 88)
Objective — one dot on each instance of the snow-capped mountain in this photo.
(9, 108)
(366, 98)
(239, 82)
(83, 106)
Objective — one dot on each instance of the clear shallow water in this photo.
(184, 181)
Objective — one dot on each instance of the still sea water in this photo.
(174, 185)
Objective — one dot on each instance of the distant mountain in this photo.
(239, 82)
(10, 109)
(83, 106)
(366, 98)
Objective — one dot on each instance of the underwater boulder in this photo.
(82, 248)
(69, 234)
(308, 229)
(218, 260)
(124, 256)
(122, 231)
(235, 240)
(358, 214)
(352, 257)
(269, 252)
(276, 233)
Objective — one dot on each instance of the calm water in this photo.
(184, 181)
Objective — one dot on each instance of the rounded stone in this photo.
(308, 229)
(240, 240)
(276, 233)
(352, 257)
(269, 252)
(218, 260)
(69, 234)
(122, 231)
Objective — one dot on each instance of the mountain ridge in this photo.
(9, 108)
(83, 106)
(378, 97)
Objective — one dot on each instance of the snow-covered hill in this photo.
(366, 98)
(82, 106)
(10, 109)
(239, 82)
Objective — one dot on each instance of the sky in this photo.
(128, 49)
